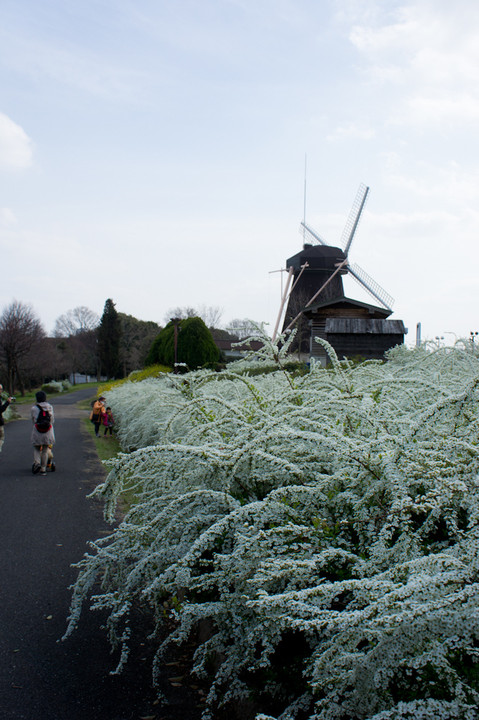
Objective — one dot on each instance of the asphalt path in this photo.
(45, 525)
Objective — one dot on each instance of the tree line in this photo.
(82, 344)
(110, 346)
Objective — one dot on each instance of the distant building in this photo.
(318, 307)
(353, 328)
(231, 351)
(79, 378)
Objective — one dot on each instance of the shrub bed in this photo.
(324, 526)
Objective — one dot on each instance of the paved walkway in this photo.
(44, 527)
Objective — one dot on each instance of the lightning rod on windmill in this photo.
(304, 199)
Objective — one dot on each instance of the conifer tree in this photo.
(109, 335)
(195, 345)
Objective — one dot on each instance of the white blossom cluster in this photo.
(57, 386)
(324, 528)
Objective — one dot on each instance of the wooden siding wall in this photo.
(367, 346)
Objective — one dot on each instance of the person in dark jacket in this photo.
(97, 413)
(3, 407)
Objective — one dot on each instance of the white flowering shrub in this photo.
(9, 413)
(325, 528)
(54, 386)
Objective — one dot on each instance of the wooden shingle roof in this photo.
(364, 326)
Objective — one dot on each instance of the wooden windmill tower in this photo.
(316, 302)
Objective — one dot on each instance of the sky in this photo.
(162, 153)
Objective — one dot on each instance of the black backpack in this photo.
(44, 420)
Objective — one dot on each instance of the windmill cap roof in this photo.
(317, 256)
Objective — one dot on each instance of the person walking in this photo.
(97, 414)
(3, 407)
(43, 435)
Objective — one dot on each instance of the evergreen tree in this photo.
(136, 338)
(196, 347)
(109, 336)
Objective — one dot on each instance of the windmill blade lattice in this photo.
(354, 217)
(371, 286)
(360, 275)
(312, 234)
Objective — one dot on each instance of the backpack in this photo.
(44, 420)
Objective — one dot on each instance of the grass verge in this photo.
(29, 397)
(108, 447)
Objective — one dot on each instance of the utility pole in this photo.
(176, 321)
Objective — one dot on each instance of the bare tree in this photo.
(243, 328)
(42, 363)
(20, 331)
(180, 312)
(74, 322)
(210, 314)
(80, 353)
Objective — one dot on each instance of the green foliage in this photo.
(152, 371)
(162, 347)
(136, 338)
(109, 335)
(196, 347)
(148, 372)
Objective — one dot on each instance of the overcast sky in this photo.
(153, 152)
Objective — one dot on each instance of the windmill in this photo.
(315, 272)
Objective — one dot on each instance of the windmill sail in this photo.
(326, 264)
(354, 217)
(371, 286)
(317, 305)
(312, 234)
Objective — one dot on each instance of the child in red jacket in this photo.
(108, 421)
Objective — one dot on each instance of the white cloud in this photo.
(15, 145)
(352, 131)
(387, 39)
(69, 63)
(7, 217)
(451, 185)
(430, 54)
(453, 108)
